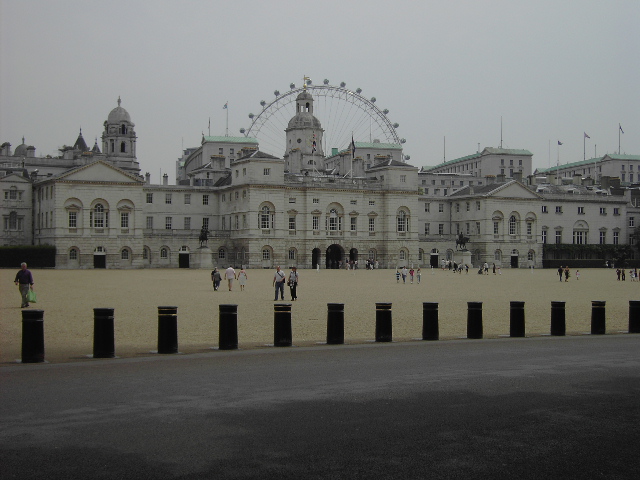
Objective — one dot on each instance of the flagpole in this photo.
(584, 147)
(227, 109)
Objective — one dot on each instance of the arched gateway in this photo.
(335, 256)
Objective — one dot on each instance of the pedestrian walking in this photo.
(560, 270)
(242, 279)
(411, 274)
(216, 278)
(494, 268)
(24, 280)
(577, 274)
(397, 276)
(293, 283)
(278, 281)
(566, 273)
(418, 275)
(404, 273)
(230, 275)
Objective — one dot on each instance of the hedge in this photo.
(36, 256)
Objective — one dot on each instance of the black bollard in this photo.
(32, 336)
(282, 325)
(430, 328)
(167, 329)
(103, 337)
(384, 326)
(474, 320)
(228, 327)
(598, 318)
(634, 316)
(335, 323)
(516, 319)
(558, 324)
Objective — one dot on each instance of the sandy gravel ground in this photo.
(68, 298)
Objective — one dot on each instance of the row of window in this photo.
(603, 210)
(168, 198)
(580, 237)
(13, 194)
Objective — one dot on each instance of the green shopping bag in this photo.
(31, 296)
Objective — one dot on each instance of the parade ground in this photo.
(68, 298)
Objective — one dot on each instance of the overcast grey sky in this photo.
(552, 70)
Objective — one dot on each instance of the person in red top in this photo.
(24, 280)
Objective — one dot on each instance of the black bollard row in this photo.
(558, 323)
(634, 316)
(228, 327)
(167, 330)
(516, 319)
(335, 323)
(598, 318)
(474, 320)
(32, 336)
(103, 336)
(384, 328)
(430, 326)
(282, 325)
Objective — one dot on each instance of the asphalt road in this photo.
(544, 407)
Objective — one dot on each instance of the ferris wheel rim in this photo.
(381, 117)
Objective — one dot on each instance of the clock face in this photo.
(299, 140)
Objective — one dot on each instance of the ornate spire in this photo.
(119, 100)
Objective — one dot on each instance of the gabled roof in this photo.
(511, 189)
(16, 176)
(98, 171)
(258, 154)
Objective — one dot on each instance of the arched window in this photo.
(123, 129)
(403, 221)
(266, 254)
(402, 256)
(164, 253)
(222, 254)
(335, 221)
(513, 225)
(98, 216)
(124, 254)
(497, 256)
(123, 147)
(266, 218)
(73, 254)
(292, 254)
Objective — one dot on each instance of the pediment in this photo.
(99, 172)
(514, 190)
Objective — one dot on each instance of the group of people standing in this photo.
(230, 275)
(566, 273)
(411, 273)
(279, 279)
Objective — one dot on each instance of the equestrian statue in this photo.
(462, 242)
(204, 237)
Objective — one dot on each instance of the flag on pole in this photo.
(225, 106)
(559, 142)
(353, 148)
(586, 136)
(620, 127)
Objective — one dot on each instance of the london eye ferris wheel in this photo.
(342, 112)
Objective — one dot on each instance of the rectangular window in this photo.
(224, 197)
(149, 222)
(496, 228)
(603, 238)
(558, 236)
(244, 172)
(477, 205)
(468, 206)
(187, 199)
(477, 228)
(544, 236)
(237, 222)
(124, 220)
(315, 222)
(580, 210)
(426, 228)
(372, 203)
(167, 198)
(237, 195)
(440, 207)
(220, 151)
(558, 209)
(529, 228)
(372, 224)
(205, 199)
(616, 236)
(73, 219)
(426, 207)
(224, 223)
(403, 179)
(266, 172)
(187, 223)
(205, 223)
(316, 200)
(579, 237)
(292, 223)
(354, 224)
(603, 211)
(353, 202)
(167, 223)
(292, 200)
(441, 229)
(149, 197)
(616, 211)
(632, 222)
